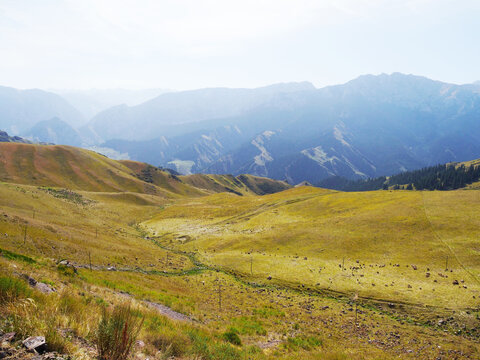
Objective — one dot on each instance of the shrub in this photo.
(171, 342)
(12, 289)
(66, 270)
(232, 337)
(117, 331)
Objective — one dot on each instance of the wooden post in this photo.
(90, 260)
(251, 265)
(219, 295)
(356, 312)
(446, 263)
(355, 298)
(34, 213)
(24, 234)
(343, 264)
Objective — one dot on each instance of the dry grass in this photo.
(287, 317)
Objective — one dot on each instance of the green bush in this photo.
(12, 289)
(66, 270)
(232, 337)
(117, 332)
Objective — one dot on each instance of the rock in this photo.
(140, 344)
(111, 268)
(6, 353)
(34, 343)
(7, 337)
(64, 262)
(455, 282)
(269, 278)
(53, 356)
(427, 274)
(44, 288)
(414, 267)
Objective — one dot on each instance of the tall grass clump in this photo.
(12, 289)
(117, 332)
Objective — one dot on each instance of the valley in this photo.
(239, 180)
(294, 272)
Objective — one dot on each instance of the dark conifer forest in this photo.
(438, 177)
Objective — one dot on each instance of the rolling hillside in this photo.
(68, 167)
(280, 271)
(80, 169)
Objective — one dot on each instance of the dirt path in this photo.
(166, 311)
(162, 309)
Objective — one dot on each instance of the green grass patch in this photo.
(12, 289)
(17, 257)
(300, 342)
(248, 326)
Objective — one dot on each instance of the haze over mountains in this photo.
(370, 126)
(91, 102)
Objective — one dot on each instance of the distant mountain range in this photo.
(91, 102)
(20, 110)
(371, 126)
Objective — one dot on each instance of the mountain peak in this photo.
(289, 86)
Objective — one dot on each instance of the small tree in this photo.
(117, 332)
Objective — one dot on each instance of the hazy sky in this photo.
(184, 44)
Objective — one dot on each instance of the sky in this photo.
(187, 44)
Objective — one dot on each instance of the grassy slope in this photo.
(65, 228)
(244, 184)
(378, 229)
(162, 179)
(68, 167)
(299, 237)
(80, 169)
